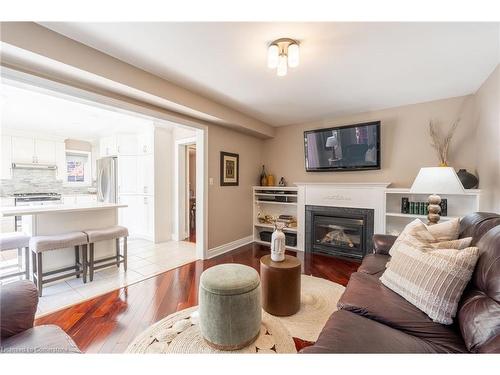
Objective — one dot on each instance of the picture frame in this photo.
(229, 169)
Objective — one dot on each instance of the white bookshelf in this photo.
(458, 206)
(273, 208)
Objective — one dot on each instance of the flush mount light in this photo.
(283, 54)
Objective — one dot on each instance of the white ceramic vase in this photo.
(278, 245)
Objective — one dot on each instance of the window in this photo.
(78, 168)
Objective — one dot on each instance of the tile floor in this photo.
(145, 259)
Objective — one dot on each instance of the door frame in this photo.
(127, 105)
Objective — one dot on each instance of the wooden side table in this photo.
(280, 283)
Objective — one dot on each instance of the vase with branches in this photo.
(442, 143)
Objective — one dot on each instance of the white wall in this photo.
(163, 184)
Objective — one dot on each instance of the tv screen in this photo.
(344, 148)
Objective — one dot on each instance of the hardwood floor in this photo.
(107, 324)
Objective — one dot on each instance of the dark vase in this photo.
(468, 180)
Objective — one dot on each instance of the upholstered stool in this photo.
(19, 241)
(111, 233)
(41, 244)
(230, 311)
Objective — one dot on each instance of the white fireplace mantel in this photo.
(353, 195)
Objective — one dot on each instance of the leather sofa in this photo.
(18, 303)
(373, 319)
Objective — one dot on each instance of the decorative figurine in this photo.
(278, 243)
(282, 182)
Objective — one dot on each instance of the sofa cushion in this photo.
(18, 302)
(479, 310)
(346, 332)
(477, 224)
(41, 339)
(374, 264)
(366, 296)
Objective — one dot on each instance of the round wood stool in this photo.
(280, 282)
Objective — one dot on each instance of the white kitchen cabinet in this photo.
(146, 211)
(127, 174)
(45, 151)
(61, 161)
(107, 146)
(127, 144)
(145, 143)
(23, 149)
(33, 150)
(6, 165)
(145, 174)
(129, 216)
(138, 216)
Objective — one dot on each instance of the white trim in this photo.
(229, 246)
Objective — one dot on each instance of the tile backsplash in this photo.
(36, 181)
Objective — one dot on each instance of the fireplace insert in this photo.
(339, 231)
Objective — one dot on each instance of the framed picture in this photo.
(229, 169)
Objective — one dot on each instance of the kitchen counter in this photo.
(57, 219)
(57, 208)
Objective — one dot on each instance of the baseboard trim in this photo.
(216, 251)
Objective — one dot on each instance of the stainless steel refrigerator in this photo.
(107, 181)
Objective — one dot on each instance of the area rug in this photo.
(180, 333)
(318, 301)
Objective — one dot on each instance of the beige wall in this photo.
(487, 103)
(230, 207)
(405, 143)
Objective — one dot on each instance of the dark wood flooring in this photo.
(107, 324)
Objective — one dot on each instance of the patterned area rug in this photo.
(180, 333)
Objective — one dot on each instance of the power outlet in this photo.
(210, 181)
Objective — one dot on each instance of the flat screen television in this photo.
(343, 148)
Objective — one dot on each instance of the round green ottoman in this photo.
(229, 306)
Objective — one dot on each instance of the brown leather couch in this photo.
(374, 319)
(18, 303)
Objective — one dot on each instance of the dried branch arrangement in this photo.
(442, 144)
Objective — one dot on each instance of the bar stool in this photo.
(40, 244)
(111, 233)
(19, 241)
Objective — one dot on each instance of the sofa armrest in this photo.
(382, 243)
(18, 303)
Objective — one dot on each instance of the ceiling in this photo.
(345, 67)
(35, 110)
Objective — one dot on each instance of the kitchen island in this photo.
(62, 218)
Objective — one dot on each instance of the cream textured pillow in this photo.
(445, 231)
(431, 279)
(417, 231)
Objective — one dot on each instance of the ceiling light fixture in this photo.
(283, 54)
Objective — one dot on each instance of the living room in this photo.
(323, 150)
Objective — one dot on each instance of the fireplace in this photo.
(338, 231)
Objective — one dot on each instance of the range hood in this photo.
(33, 166)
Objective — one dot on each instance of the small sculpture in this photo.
(278, 243)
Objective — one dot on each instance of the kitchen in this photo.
(84, 162)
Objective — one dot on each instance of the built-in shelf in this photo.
(269, 244)
(275, 209)
(416, 216)
(458, 205)
(272, 202)
(276, 194)
(270, 226)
